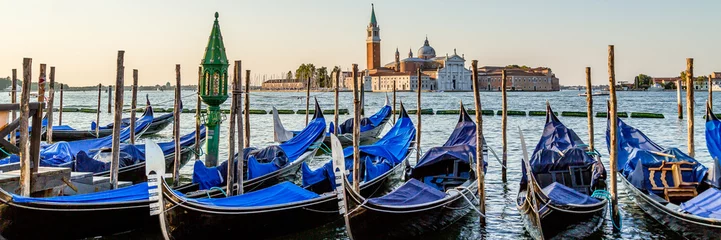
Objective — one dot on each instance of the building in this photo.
(518, 79)
(284, 84)
(447, 73)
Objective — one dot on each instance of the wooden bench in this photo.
(680, 191)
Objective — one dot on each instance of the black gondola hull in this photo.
(561, 221)
(687, 225)
(380, 222)
(56, 221)
(136, 173)
(74, 135)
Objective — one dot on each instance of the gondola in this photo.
(440, 190)
(63, 154)
(389, 154)
(274, 211)
(132, 158)
(560, 192)
(67, 133)
(159, 123)
(371, 127)
(263, 167)
(80, 216)
(669, 185)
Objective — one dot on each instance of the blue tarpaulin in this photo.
(562, 195)
(635, 150)
(389, 150)
(707, 204)
(713, 143)
(62, 154)
(367, 123)
(285, 192)
(265, 160)
(410, 193)
(138, 192)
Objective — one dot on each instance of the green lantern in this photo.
(214, 90)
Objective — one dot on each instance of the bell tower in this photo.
(373, 42)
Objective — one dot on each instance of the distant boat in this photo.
(597, 93)
(655, 88)
(715, 87)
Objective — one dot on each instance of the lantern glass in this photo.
(216, 83)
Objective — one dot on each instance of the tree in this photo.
(289, 75)
(643, 81)
(322, 77)
(669, 85)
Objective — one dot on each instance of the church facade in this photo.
(445, 73)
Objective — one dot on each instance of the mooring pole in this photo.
(362, 96)
(231, 133)
(418, 115)
(589, 108)
(504, 124)
(60, 108)
(335, 116)
(110, 98)
(14, 99)
(394, 101)
(690, 105)
(118, 120)
(197, 115)
(678, 98)
(97, 111)
(356, 130)
(176, 127)
(37, 121)
(51, 99)
(614, 134)
(307, 101)
(133, 105)
(246, 112)
(25, 164)
(238, 98)
(710, 92)
(480, 175)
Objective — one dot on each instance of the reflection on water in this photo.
(504, 221)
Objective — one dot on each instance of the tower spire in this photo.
(373, 16)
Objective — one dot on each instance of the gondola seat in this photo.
(578, 178)
(453, 179)
(680, 191)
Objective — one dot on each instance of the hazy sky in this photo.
(81, 38)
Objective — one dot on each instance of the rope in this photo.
(192, 149)
(3, 151)
(496, 156)
(605, 194)
(470, 203)
(221, 190)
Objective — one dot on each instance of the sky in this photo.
(81, 38)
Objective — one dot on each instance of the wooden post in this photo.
(25, 164)
(51, 99)
(110, 98)
(615, 217)
(176, 127)
(60, 109)
(133, 105)
(118, 121)
(356, 130)
(335, 116)
(504, 124)
(231, 132)
(589, 108)
(307, 101)
(479, 139)
(14, 99)
(246, 112)
(678, 98)
(394, 101)
(710, 92)
(418, 115)
(37, 121)
(238, 98)
(97, 116)
(362, 96)
(197, 115)
(690, 105)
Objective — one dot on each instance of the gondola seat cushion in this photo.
(707, 204)
(562, 195)
(412, 192)
(285, 192)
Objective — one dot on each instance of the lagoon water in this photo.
(504, 221)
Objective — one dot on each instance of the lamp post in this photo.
(214, 90)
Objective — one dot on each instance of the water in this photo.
(503, 221)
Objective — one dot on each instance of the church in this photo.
(445, 73)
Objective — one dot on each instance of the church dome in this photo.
(426, 51)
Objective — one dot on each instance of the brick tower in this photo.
(373, 43)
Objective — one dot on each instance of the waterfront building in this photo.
(518, 79)
(284, 84)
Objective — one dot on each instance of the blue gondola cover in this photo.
(410, 193)
(367, 123)
(707, 204)
(562, 195)
(137, 192)
(285, 192)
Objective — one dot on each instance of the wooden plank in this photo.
(46, 178)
